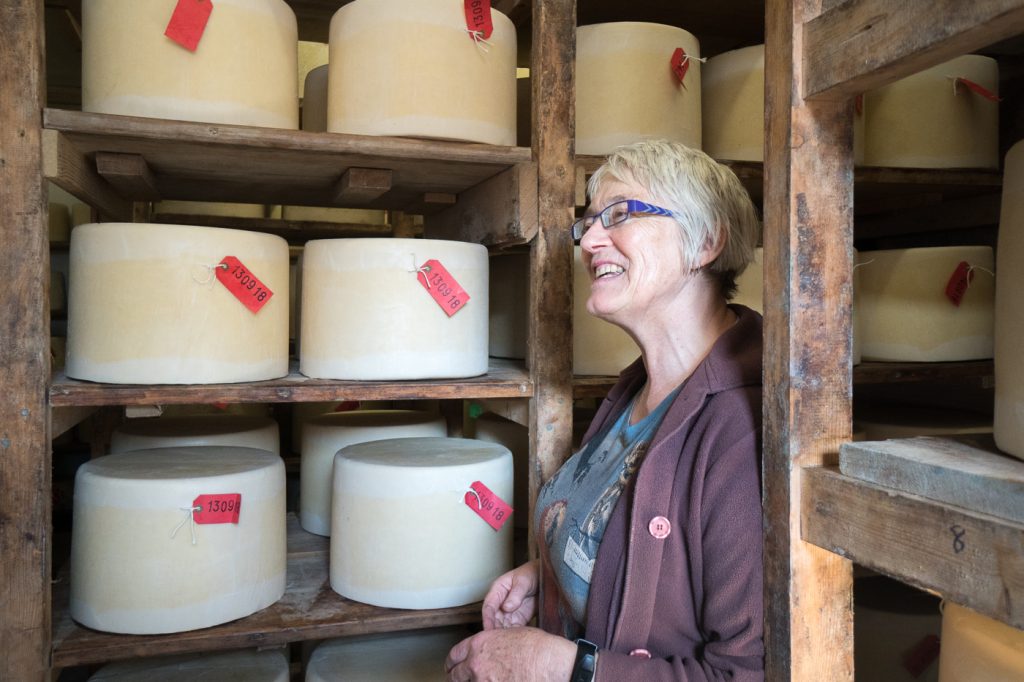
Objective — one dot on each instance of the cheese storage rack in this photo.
(527, 197)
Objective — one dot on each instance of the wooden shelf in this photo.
(504, 379)
(310, 609)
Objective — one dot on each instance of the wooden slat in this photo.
(362, 185)
(504, 379)
(67, 166)
(808, 244)
(970, 558)
(25, 523)
(500, 211)
(128, 174)
(863, 44)
(980, 372)
(517, 411)
(310, 609)
(965, 471)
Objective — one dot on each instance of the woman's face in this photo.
(636, 266)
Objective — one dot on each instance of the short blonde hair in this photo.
(709, 203)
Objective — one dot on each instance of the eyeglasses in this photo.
(617, 213)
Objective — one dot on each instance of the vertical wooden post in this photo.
(550, 336)
(808, 254)
(24, 351)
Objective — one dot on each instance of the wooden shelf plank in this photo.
(504, 379)
(220, 162)
(968, 557)
(310, 609)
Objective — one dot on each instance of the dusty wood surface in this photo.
(808, 241)
(500, 211)
(67, 166)
(550, 334)
(970, 558)
(978, 372)
(863, 44)
(129, 174)
(25, 523)
(504, 379)
(310, 609)
(967, 472)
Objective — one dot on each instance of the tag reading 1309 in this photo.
(222, 508)
(440, 284)
(240, 281)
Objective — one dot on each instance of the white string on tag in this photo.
(478, 38)
(687, 57)
(208, 272)
(190, 519)
(970, 273)
(867, 262)
(479, 502)
(419, 270)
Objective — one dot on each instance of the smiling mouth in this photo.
(607, 270)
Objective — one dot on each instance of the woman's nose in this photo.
(595, 237)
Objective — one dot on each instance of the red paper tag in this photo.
(680, 64)
(188, 22)
(440, 284)
(917, 658)
(487, 505)
(478, 17)
(221, 406)
(858, 104)
(979, 89)
(958, 282)
(347, 406)
(253, 293)
(223, 508)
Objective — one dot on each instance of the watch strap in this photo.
(585, 666)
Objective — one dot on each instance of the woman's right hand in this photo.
(512, 599)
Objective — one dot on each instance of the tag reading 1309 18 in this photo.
(241, 282)
(219, 508)
(442, 287)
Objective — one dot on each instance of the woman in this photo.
(650, 535)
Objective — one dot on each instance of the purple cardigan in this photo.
(691, 598)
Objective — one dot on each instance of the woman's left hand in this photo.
(511, 655)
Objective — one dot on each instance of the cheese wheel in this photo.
(231, 666)
(165, 432)
(367, 315)
(58, 295)
(905, 315)
(243, 409)
(889, 620)
(508, 325)
(146, 308)
(880, 422)
(396, 657)
(923, 121)
(626, 90)
(491, 428)
(598, 347)
(59, 217)
(314, 101)
(976, 648)
(312, 56)
(132, 573)
(732, 107)
(323, 436)
(403, 533)
(356, 216)
(243, 70)
(209, 208)
(410, 68)
(1009, 323)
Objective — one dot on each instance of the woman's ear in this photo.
(710, 253)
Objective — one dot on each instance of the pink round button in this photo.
(659, 527)
(640, 652)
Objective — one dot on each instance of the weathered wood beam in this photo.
(512, 409)
(67, 167)
(129, 174)
(500, 211)
(431, 202)
(63, 419)
(863, 44)
(362, 185)
(808, 242)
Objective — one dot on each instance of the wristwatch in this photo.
(586, 662)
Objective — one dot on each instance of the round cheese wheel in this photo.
(411, 68)
(883, 421)
(243, 70)
(245, 409)
(231, 666)
(626, 90)
(598, 347)
(210, 208)
(491, 428)
(325, 435)
(166, 432)
(314, 101)
(904, 312)
(366, 313)
(1009, 323)
(508, 325)
(924, 121)
(396, 657)
(976, 648)
(134, 566)
(146, 307)
(59, 218)
(312, 55)
(403, 533)
(732, 107)
(356, 216)
(301, 412)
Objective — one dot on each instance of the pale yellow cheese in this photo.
(1009, 324)
(130, 575)
(598, 347)
(491, 428)
(314, 101)
(396, 657)
(231, 666)
(301, 412)
(164, 432)
(402, 533)
(923, 122)
(243, 71)
(244, 409)
(508, 326)
(145, 306)
(312, 55)
(976, 648)
(905, 315)
(367, 315)
(410, 68)
(626, 90)
(883, 421)
(888, 624)
(323, 436)
(209, 208)
(357, 216)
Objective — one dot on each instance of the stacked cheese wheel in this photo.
(398, 657)
(1009, 325)
(187, 431)
(976, 648)
(250, 666)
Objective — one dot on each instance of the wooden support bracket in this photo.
(513, 409)
(129, 174)
(362, 185)
(431, 202)
(69, 168)
(63, 419)
(501, 210)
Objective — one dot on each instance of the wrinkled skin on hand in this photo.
(512, 599)
(516, 654)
